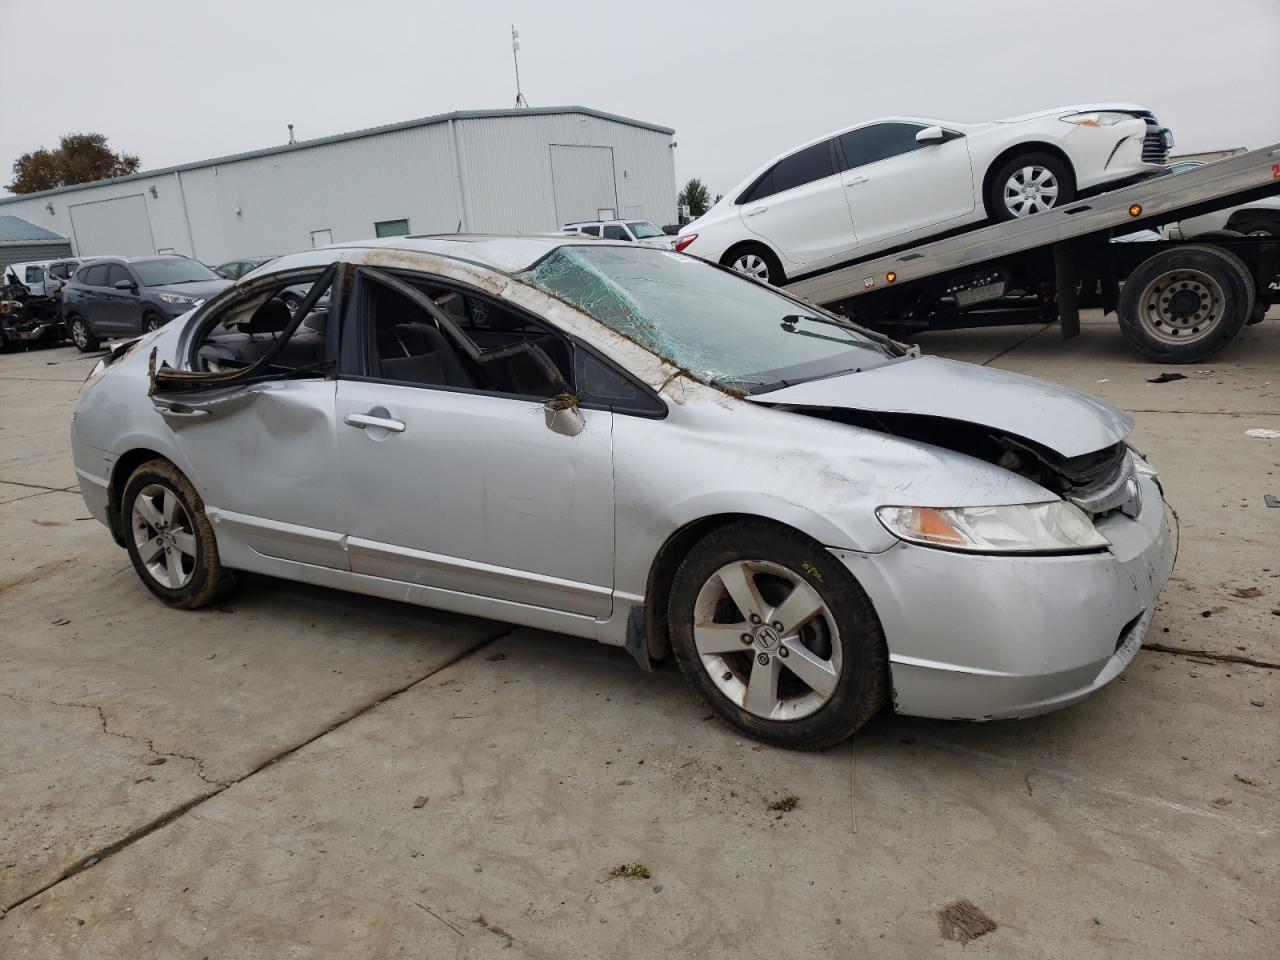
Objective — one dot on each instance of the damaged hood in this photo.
(1063, 420)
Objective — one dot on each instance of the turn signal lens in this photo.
(1135, 210)
(890, 277)
(684, 241)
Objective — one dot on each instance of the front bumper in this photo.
(977, 637)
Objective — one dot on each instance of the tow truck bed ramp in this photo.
(1163, 199)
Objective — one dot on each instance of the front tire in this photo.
(169, 538)
(151, 322)
(1185, 304)
(81, 335)
(777, 636)
(757, 261)
(292, 301)
(1027, 184)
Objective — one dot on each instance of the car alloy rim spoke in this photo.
(740, 584)
(762, 687)
(151, 549)
(168, 504)
(148, 510)
(801, 606)
(173, 562)
(711, 637)
(185, 543)
(819, 674)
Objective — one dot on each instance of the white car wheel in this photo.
(1031, 189)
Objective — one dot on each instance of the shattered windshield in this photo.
(722, 328)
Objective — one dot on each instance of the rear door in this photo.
(798, 205)
(898, 189)
(263, 452)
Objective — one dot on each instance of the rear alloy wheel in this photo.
(85, 341)
(777, 636)
(1031, 183)
(755, 261)
(169, 538)
(1185, 304)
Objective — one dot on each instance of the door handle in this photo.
(362, 420)
(854, 181)
(754, 210)
(186, 413)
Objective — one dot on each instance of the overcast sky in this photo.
(739, 81)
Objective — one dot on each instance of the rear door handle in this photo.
(754, 210)
(854, 181)
(362, 420)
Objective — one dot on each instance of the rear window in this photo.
(593, 231)
(94, 276)
(806, 166)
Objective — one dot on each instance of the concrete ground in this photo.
(311, 774)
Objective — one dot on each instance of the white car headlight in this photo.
(1054, 527)
(1102, 119)
(175, 298)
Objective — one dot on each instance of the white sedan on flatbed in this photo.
(899, 180)
(634, 446)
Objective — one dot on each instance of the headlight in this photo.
(174, 298)
(1096, 119)
(1054, 527)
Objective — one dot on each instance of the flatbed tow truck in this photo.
(1177, 301)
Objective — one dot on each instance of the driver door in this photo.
(454, 476)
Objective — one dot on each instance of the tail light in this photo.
(684, 241)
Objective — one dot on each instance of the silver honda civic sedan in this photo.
(639, 447)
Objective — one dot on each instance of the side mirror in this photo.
(124, 284)
(931, 135)
(563, 416)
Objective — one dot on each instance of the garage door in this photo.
(583, 181)
(120, 226)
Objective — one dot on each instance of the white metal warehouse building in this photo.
(518, 171)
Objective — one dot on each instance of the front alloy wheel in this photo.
(776, 635)
(767, 640)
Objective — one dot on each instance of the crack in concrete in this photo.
(1012, 347)
(171, 815)
(1210, 655)
(148, 741)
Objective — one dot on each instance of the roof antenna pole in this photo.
(291, 138)
(515, 58)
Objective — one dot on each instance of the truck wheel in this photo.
(81, 336)
(755, 260)
(1029, 183)
(1185, 304)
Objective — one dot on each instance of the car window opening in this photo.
(433, 335)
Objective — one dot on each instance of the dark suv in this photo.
(113, 297)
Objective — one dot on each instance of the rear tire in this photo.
(1185, 304)
(169, 538)
(81, 335)
(757, 261)
(1027, 184)
(815, 668)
